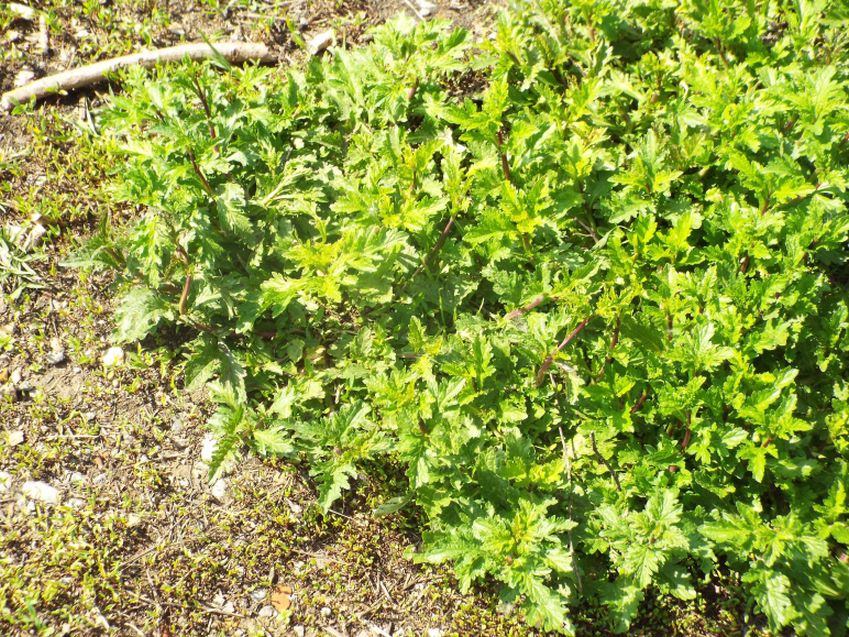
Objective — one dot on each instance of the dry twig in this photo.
(233, 52)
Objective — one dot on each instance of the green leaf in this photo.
(275, 441)
(730, 531)
(335, 480)
(138, 313)
(546, 607)
(773, 592)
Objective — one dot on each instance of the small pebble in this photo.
(5, 481)
(299, 631)
(16, 437)
(434, 632)
(325, 611)
(76, 503)
(22, 11)
(294, 507)
(113, 357)
(259, 594)
(426, 8)
(57, 352)
(56, 357)
(40, 491)
(267, 611)
(207, 447)
(219, 601)
(219, 490)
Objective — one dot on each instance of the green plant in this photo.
(16, 265)
(585, 283)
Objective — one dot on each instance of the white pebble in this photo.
(426, 8)
(267, 611)
(219, 490)
(76, 503)
(22, 11)
(207, 447)
(40, 491)
(113, 357)
(5, 481)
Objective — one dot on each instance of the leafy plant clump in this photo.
(585, 282)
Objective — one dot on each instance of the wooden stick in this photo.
(233, 52)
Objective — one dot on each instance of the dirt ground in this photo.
(108, 525)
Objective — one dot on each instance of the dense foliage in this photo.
(585, 283)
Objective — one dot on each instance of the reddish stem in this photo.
(411, 92)
(546, 365)
(505, 165)
(443, 236)
(202, 96)
(527, 308)
(639, 403)
(203, 180)
(184, 297)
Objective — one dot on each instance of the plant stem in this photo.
(546, 364)
(542, 298)
(203, 180)
(505, 165)
(639, 402)
(205, 103)
(568, 464)
(184, 297)
(605, 463)
(443, 236)
(614, 341)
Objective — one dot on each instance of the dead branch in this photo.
(233, 52)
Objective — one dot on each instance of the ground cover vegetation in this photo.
(582, 286)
